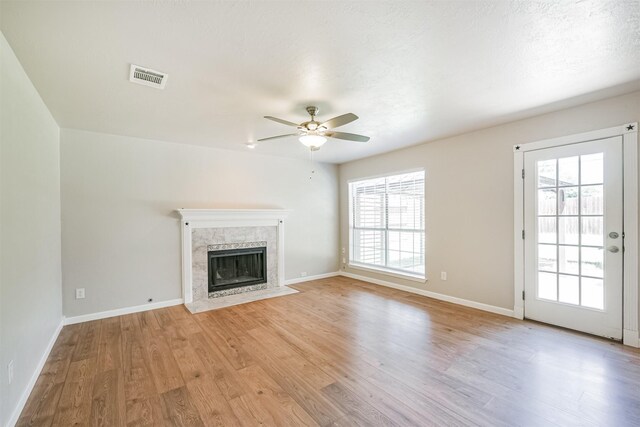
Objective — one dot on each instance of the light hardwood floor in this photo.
(341, 352)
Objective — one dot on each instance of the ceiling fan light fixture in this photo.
(312, 141)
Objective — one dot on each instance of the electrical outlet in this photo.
(443, 275)
(303, 274)
(10, 372)
(343, 251)
(79, 293)
(344, 260)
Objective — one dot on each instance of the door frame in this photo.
(629, 133)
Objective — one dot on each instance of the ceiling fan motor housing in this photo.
(313, 111)
(312, 125)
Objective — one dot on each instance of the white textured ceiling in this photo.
(412, 71)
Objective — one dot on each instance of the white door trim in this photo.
(629, 133)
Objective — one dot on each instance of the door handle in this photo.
(613, 249)
(614, 235)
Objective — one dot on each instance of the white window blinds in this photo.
(387, 223)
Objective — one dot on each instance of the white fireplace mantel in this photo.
(222, 218)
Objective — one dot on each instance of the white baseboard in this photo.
(34, 377)
(631, 338)
(121, 311)
(309, 278)
(169, 303)
(434, 295)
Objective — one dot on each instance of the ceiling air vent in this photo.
(147, 77)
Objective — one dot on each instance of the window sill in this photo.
(388, 272)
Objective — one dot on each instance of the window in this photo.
(386, 223)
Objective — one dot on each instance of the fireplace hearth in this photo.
(234, 268)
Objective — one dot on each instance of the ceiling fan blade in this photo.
(340, 121)
(347, 136)
(276, 137)
(284, 122)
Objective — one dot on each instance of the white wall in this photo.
(469, 196)
(30, 278)
(121, 236)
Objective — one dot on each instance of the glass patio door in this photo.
(573, 236)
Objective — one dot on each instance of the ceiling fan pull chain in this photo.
(313, 169)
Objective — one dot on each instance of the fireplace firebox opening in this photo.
(233, 268)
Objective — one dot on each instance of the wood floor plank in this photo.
(74, 406)
(284, 410)
(162, 364)
(190, 365)
(228, 340)
(249, 412)
(41, 407)
(40, 412)
(353, 404)
(179, 409)
(340, 352)
(137, 375)
(353, 372)
(319, 407)
(163, 318)
(110, 345)
(225, 376)
(108, 407)
(142, 402)
(88, 341)
(148, 322)
(212, 406)
(144, 411)
(279, 349)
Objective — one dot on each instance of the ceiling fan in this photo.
(314, 134)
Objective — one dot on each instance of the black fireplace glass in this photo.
(233, 268)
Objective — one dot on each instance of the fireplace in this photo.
(234, 268)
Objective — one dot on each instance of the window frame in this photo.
(375, 268)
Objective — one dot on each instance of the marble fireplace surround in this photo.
(205, 229)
